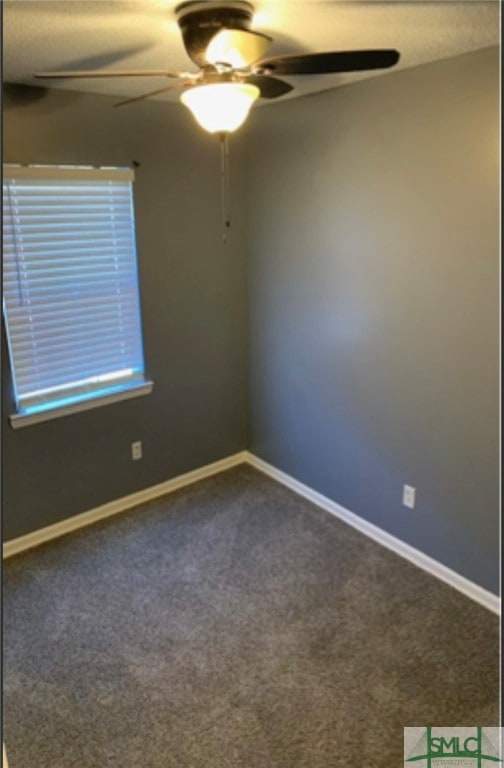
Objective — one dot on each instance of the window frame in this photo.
(103, 391)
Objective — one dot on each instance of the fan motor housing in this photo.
(200, 21)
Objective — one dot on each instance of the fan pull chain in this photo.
(226, 216)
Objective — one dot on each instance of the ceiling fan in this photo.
(233, 72)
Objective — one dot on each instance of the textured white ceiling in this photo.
(143, 34)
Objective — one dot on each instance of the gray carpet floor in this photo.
(233, 625)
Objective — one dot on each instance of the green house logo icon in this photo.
(473, 748)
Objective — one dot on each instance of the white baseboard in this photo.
(415, 556)
(14, 546)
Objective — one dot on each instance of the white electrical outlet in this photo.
(136, 450)
(408, 496)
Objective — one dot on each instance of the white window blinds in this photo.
(71, 300)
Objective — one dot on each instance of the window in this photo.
(71, 300)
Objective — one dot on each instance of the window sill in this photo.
(18, 420)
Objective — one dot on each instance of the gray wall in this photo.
(193, 298)
(372, 236)
(374, 222)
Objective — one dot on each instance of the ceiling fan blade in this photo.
(237, 47)
(324, 63)
(173, 87)
(113, 73)
(269, 87)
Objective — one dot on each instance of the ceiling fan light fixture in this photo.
(220, 107)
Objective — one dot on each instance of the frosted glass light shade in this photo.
(220, 107)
